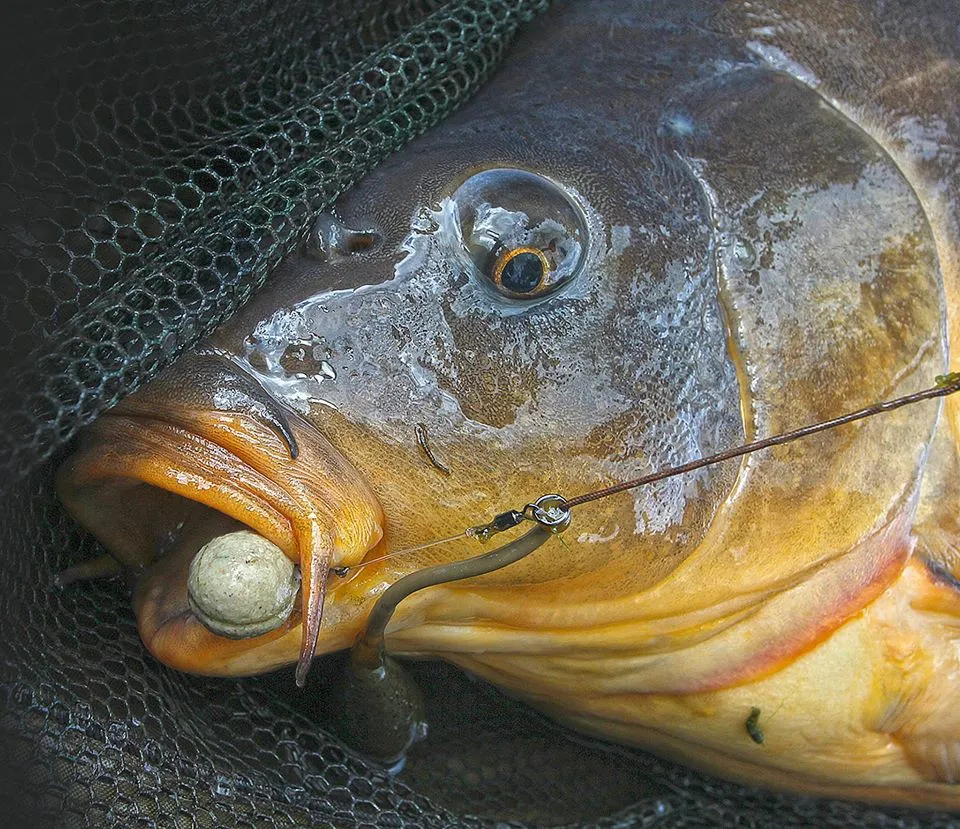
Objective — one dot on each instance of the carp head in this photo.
(614, 259)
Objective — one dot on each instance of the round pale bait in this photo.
(241, 585)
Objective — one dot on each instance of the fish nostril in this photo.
(360, 241)
(331, 239)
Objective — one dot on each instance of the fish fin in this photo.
(937, 759)
(937, 522)
(922, 646)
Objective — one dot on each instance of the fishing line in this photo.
(945, 384)
(342, 571)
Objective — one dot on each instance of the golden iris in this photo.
(522, 272)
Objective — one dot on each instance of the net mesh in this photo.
(158, 160)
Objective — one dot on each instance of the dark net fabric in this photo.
(158, 160)
(182, 154)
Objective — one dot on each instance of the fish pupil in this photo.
(522, 273)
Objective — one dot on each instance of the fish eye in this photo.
(521, 272)
(524, 235)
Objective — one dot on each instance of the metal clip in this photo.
(550, 512)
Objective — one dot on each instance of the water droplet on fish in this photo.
(343, 345)
(299, 357)
(745, 252)
(619, 238)
(678, 124)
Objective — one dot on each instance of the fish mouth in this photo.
(202, 452)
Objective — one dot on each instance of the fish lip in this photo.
(146, 463)
(126, 450)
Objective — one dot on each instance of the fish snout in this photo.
(221, 502)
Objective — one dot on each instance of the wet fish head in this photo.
(637, 245)
(525, 320)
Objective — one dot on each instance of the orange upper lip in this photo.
(209, 434)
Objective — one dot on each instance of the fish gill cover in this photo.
(158, 161)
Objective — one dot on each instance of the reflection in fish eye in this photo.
(524, 235)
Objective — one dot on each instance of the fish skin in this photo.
(793, 179)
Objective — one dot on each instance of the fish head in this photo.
(529, 295)
(611, 261)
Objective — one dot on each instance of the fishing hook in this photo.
(383, 712)
(550, 517)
